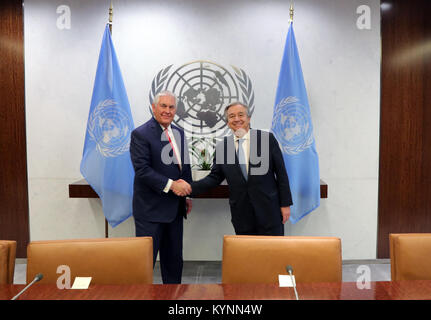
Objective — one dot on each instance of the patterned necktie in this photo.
(173, 149)
(241, 159)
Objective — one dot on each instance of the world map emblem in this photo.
(203, 89)
(109, 126)
(292, 126)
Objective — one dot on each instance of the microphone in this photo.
(37, 278)
(289, 270)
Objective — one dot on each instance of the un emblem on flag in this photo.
(109, 126)
(204, 89)
(292, 126)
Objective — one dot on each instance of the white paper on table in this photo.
(286, 280)
(81, 283)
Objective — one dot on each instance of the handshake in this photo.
(181, 188)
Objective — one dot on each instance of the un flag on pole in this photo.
(106, 163)
(291, 125)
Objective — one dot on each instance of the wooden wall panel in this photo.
(14, 221)
(405, 121)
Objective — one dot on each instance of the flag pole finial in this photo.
(291, 12)
(111, 14)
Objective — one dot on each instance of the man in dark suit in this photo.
(160, 159)
(252, 163)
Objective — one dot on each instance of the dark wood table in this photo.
(81, 189)
(400, 290)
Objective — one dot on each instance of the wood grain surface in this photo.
(14, 220)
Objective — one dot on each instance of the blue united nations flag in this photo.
(106, 163)
(291, 125)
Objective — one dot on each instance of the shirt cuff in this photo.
(168, 186)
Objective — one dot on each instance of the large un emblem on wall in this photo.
(203, 89)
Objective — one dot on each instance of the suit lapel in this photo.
(179, 142)
(254, 149)
(160, 136)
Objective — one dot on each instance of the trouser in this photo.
(257, 231)
(251, 226)
(168, 240)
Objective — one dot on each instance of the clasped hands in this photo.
(181, 188)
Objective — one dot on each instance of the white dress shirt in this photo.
(245, 146)
(176, 153)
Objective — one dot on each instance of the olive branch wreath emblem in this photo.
(246, 88)
(247, 96)
(291, 102)
(158, 82)
(105, 151)
(243, 79)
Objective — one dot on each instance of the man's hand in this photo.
(285, 213)
(189, 205)
(181, 188)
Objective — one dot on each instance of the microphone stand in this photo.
(36, 279)
(294, 285)
(289, 270)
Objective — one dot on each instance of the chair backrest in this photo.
(107, 261)
(410, 255)
(7, 261)
(260, 259)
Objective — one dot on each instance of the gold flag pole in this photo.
(111, 14)
(291, 12)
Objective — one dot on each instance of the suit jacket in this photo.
(147, 144)
(266, 189)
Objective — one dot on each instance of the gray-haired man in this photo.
(159, 156)
(251, 162)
